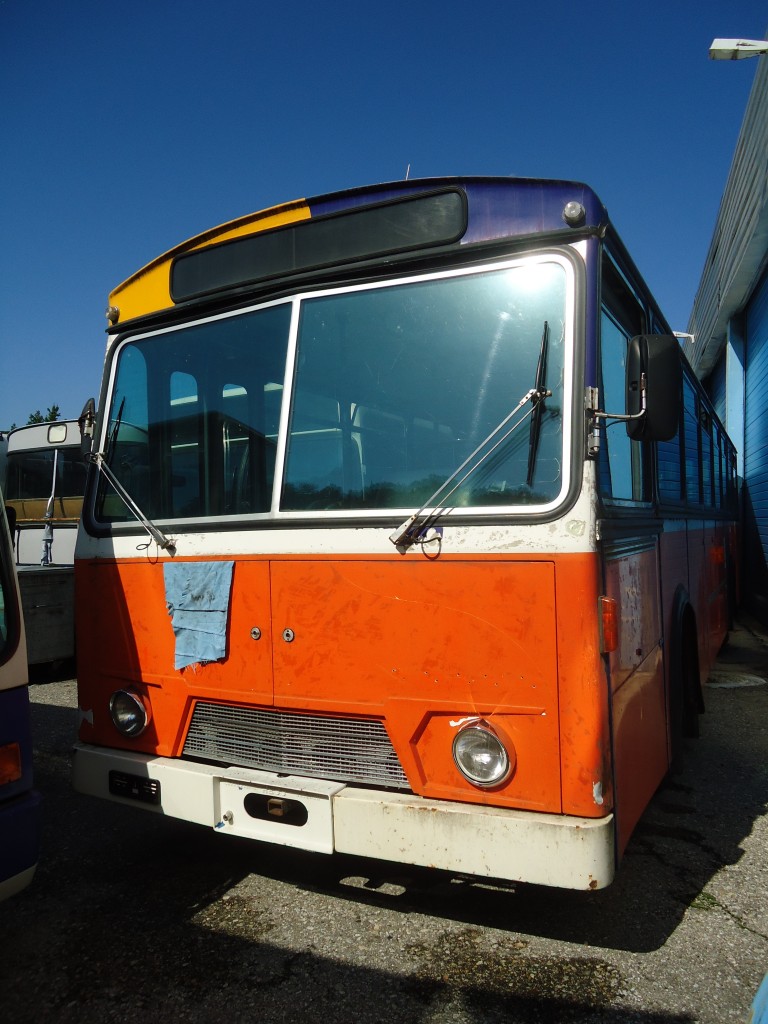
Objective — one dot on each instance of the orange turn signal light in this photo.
(10, 763)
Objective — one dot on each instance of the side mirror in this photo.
(86, 421)
(654, 384)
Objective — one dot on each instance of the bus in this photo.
(19, 801)
(408, 533)
(44, 484)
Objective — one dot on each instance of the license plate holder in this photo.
(288, 810)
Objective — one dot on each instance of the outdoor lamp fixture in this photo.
(737, 49)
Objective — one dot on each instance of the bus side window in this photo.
(669, 469)
(705, 432)
(691, 443)
(720, 471)
(621, 468)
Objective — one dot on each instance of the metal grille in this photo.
(343, 749)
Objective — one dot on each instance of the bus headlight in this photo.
(480, 755)
(128, 712)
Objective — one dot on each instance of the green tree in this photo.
(51, 414)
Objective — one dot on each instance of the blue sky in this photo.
(128, 127)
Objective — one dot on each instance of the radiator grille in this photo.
(343, 749)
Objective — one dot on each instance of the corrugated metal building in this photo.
(729, 325)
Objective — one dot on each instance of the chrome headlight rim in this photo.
(486, 734)
(128, 713)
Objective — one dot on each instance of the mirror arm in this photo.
(597, 415)
(626, 417)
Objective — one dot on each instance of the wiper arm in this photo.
(166, 543)
(538, 403)
(410, 531)
(112, 439)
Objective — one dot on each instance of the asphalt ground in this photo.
(132, 917)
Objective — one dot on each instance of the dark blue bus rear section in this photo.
(19, 801)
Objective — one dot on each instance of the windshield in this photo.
(390, 388)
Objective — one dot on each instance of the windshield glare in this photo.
(391, 387)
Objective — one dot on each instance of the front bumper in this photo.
(526, 846)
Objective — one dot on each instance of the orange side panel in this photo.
(708, 588)
(716, 595)
(640, 742)
(637, 683)
(584, 717)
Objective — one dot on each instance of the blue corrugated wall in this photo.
(756, 451)
(716, 387)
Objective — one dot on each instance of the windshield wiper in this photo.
(412, 530)
(100, 461)
(112, 437)
(538, 404)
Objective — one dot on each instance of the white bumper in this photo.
(545, 849)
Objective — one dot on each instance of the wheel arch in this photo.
(686, 699)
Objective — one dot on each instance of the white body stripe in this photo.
(573, 533)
